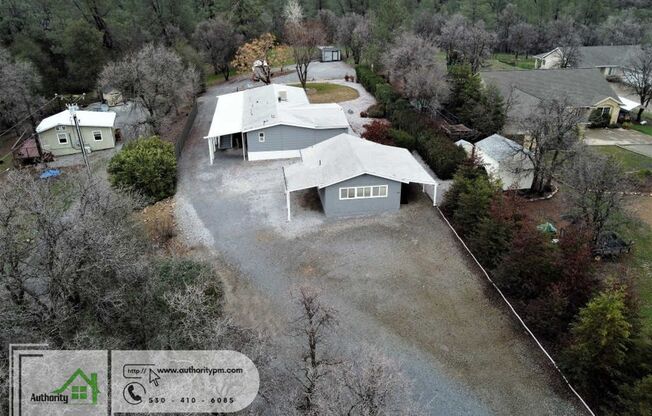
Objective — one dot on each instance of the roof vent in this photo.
(282, 95)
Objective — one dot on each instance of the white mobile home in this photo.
(57, 133)
(272, 122)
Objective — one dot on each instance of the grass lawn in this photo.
(645, 129)
(214, 79)
(641, 260)
(323, 92)
(631, 161)
(508, 59)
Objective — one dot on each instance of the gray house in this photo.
(272, 122)
(354, 176)
(329, 53)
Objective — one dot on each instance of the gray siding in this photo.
(289, 138)
(335, 207)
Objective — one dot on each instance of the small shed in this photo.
(354, 176)
(329, 53)
(503, 159)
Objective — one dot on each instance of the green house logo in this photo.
(81, 388)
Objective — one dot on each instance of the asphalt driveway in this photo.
(400, 282)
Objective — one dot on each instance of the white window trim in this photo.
(60, 128)
(65, 136)
(362, 196)
(261, 137)
(94, 138)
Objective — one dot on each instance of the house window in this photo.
(60, 128)
(97, 135)
(543, 62)
(261, 137)
(604, 111)
(363, 192)
(79, 393)
(63, 138)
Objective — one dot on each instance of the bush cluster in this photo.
(411, 128)
(148, 166)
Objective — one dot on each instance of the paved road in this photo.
(399, 281)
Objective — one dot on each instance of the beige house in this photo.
(57, 133)
(585, 89)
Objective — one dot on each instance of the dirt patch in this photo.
(641, 206)
(161, 227)
(548, 210)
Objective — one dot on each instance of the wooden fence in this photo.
(190, 121)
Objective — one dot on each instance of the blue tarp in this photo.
(50, 173)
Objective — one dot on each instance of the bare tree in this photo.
(345, 28)
(218, 40)
(466, 42)
(451, 33)
(553, 133)
(293, 12)
(429, 25)
(522, 38)
(565, 36)
(329, 23)
(18, 91)
(595, 183)
(360, 39)
(507, 20)
(412, 63)
(638, 75)
(155, 78)
(476, 45)
(315, 321)
(304, 38)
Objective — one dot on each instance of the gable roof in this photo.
(584, 87)
(606, 55)
(499, 148)
(344, 157)
(85, 119)
(261, 107)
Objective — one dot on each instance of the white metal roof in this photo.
(499, 148)
(627, 104)
(85, 119)
(272, 105)
(344, 157)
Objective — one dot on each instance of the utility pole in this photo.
(73, 111)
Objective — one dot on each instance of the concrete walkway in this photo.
(612, 137)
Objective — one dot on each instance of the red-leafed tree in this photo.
(378, 131)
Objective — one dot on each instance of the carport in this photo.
(227, 121)
(354, 176)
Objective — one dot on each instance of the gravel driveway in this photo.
(400, 282)
(617, 136)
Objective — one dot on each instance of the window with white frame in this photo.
(97, 135)
(63, 138)
(60, 128)
(362, 192)
(261, 137)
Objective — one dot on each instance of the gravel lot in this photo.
(400, 282)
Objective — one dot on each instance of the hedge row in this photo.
(413, 129)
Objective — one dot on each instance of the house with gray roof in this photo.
(272, 122)
(504, 160)
(585, 88)
(609, 59)
(354, 176)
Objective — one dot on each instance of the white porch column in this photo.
(287, 201)
(434, 194)
(211, 149)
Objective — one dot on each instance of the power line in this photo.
(28, 116)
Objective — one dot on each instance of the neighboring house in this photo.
(57, 133)
(81, 388)
(504, 160)
(354, 176)
(272, 122)
(585, 88)
(329, 53)
(610, 60)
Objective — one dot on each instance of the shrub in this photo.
(368, 78)
(385, 93)
(378, 131)
(442, 155)
(146, 165)
(376, 111)
(403, 139)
